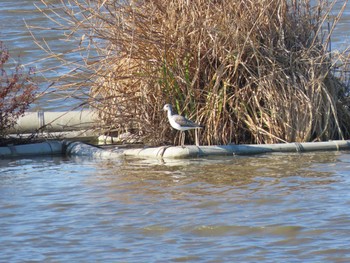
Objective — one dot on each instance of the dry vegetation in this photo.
(17, 91)
(250, 71)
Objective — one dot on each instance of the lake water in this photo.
(15, 19)
(263, 208)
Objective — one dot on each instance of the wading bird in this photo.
(181, 123)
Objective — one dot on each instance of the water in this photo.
(264, 208)
(15, 21)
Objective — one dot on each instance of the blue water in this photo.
(266, 208)
(19, 22)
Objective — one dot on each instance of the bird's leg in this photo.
(182, 138)
(196, 136)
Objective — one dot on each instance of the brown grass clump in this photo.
(250, 71)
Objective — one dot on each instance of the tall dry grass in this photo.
(250, 71)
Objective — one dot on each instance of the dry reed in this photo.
(250, 71)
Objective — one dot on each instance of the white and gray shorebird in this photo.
(181, 123)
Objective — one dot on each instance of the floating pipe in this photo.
(243, 149)
(86, 150)
(54, 121)
(35, 149)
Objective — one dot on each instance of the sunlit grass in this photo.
(250, 71)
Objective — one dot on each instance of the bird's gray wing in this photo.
(184, 122)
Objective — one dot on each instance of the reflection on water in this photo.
(265, 208)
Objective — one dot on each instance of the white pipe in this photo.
(244, 149)
(55, 121)
(191, 151)
(85, 150)
(36, 149)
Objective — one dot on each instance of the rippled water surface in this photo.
(19, 22)
(265, 208)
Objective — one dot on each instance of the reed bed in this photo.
(250, 71)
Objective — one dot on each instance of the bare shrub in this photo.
(17, 91)
(250, 71)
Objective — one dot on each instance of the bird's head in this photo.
(167, 107)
